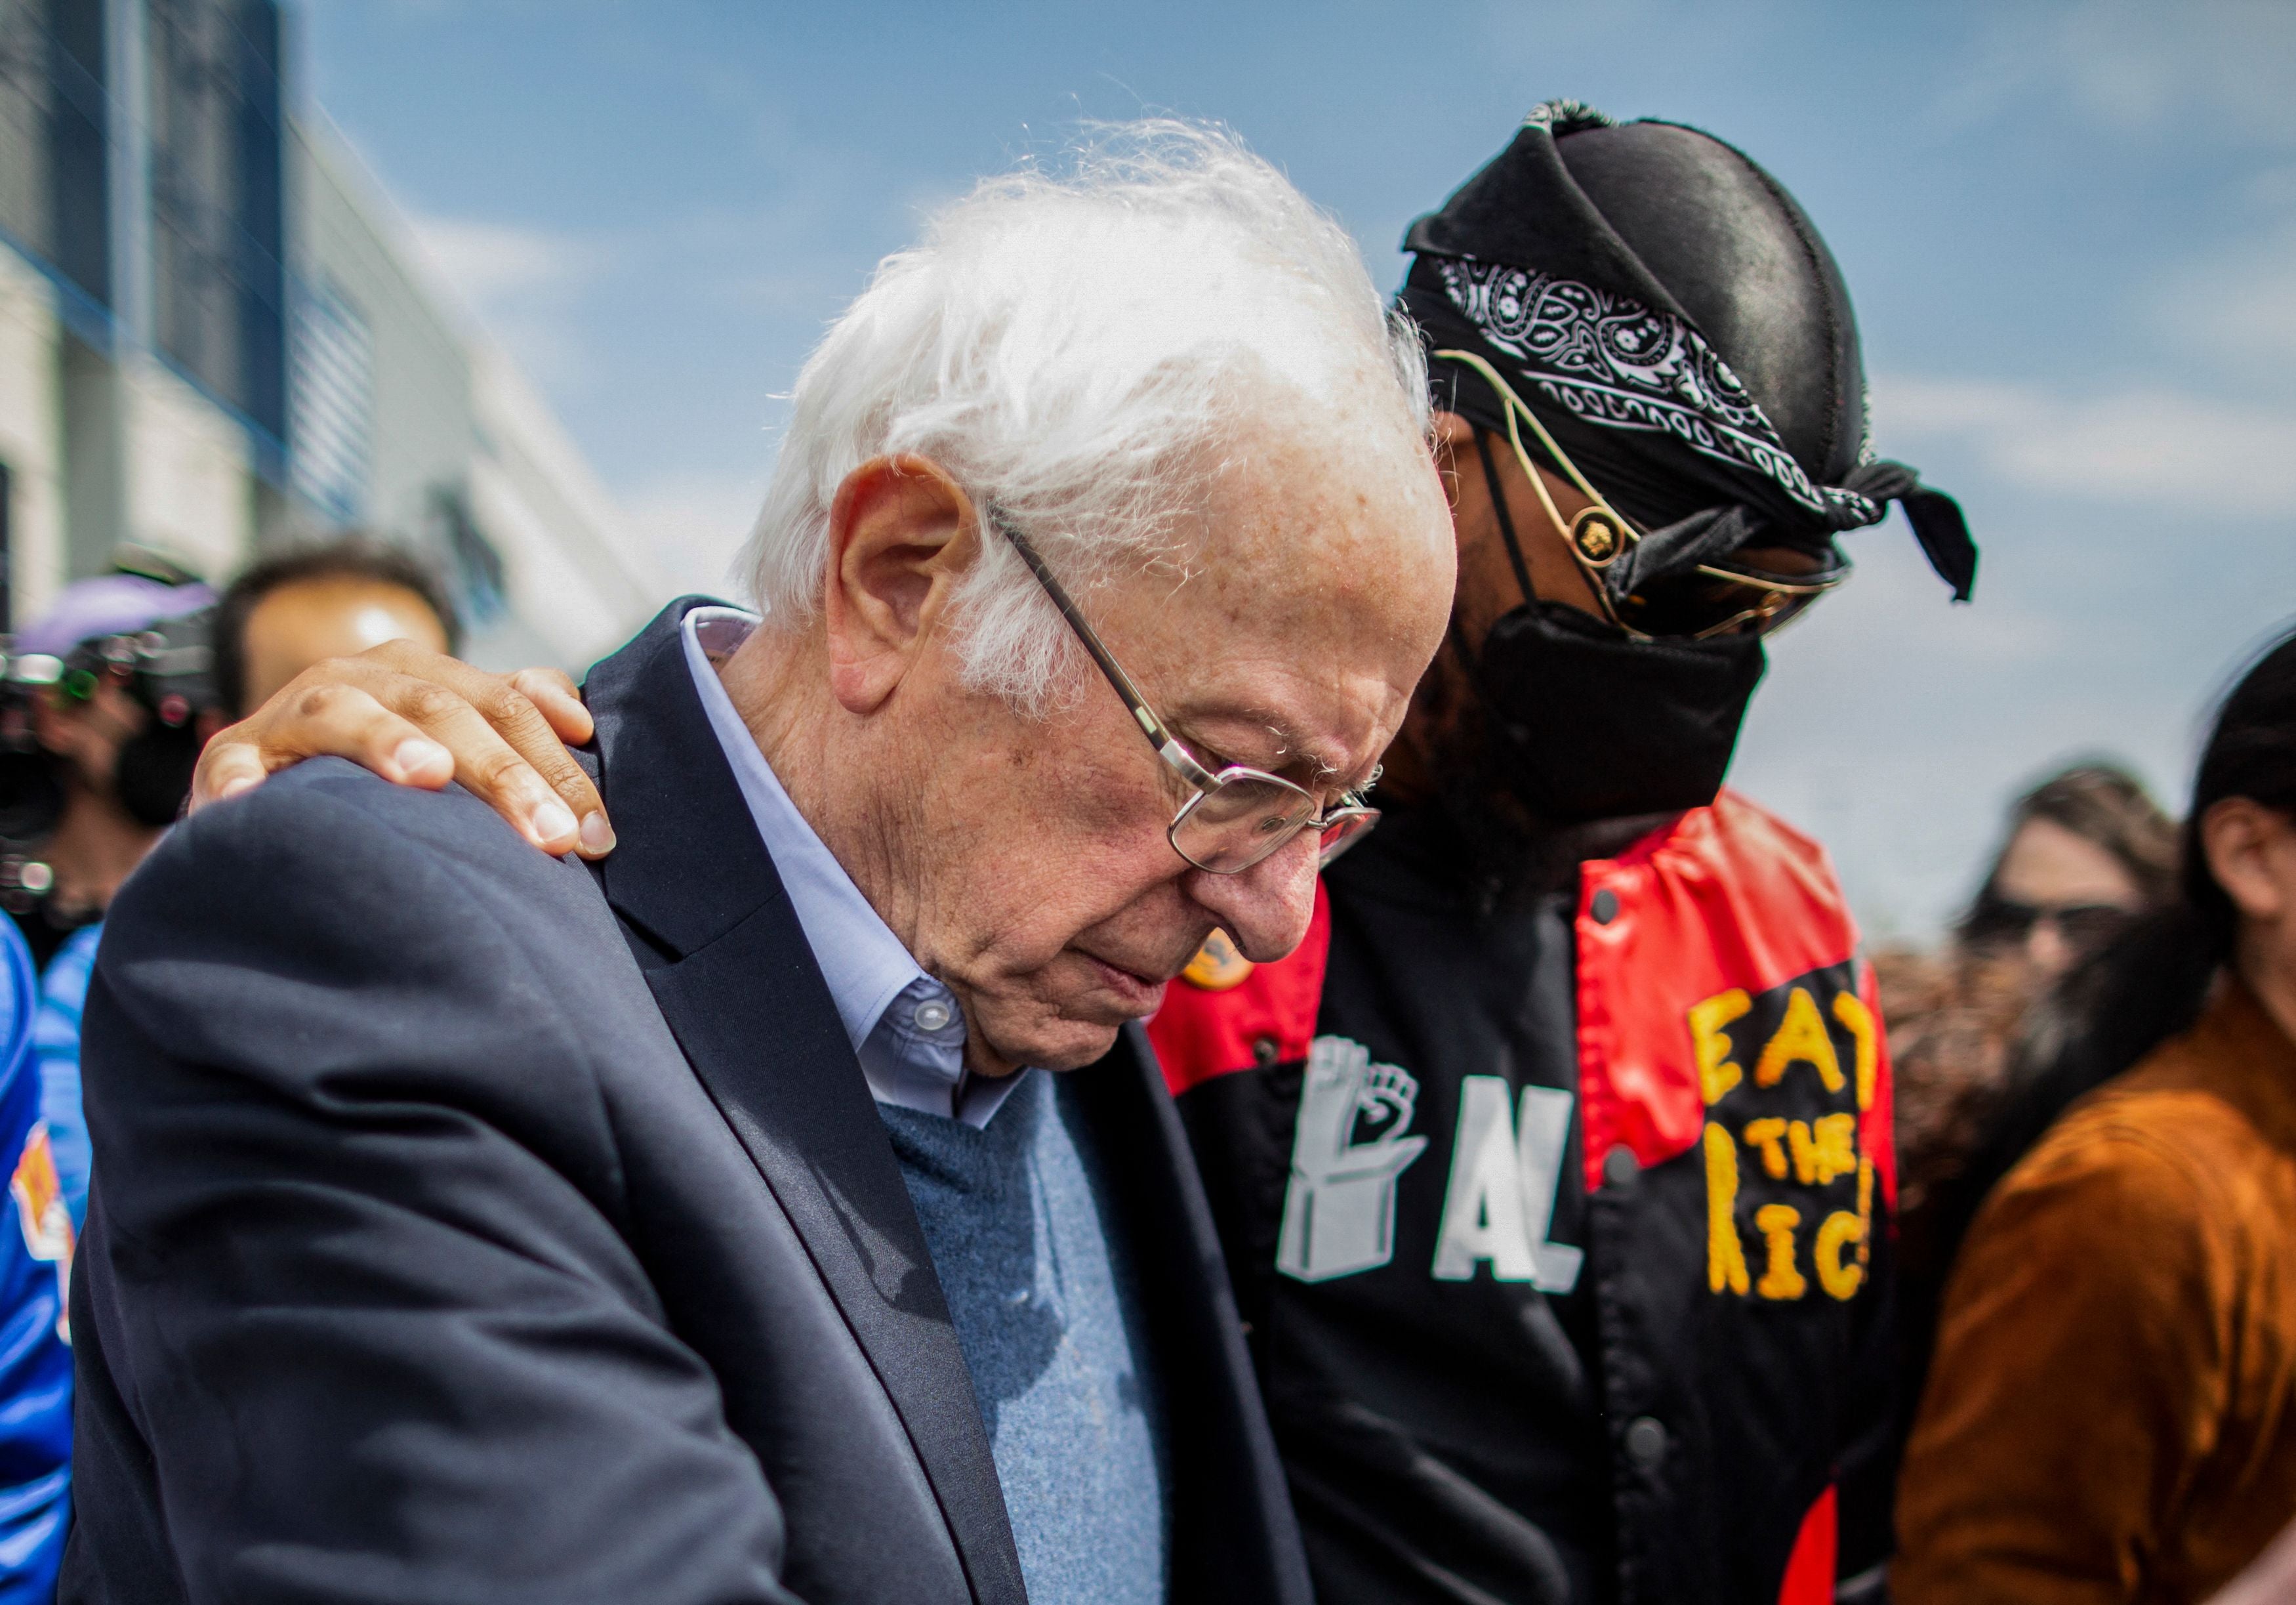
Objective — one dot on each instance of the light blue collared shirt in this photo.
(905, 1026)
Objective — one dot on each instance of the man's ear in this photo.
(901, 534)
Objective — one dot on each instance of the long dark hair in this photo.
(2151, 982)
(2105, 806)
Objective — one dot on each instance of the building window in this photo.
(474, 568)
(53, 169)
(218, 234)
(331, 428)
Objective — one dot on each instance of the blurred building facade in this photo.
(214, 341)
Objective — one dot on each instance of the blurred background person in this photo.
(100, 748)
(2111, 1411)
(2082, 854)
(2085, 850)
(106, 707)
(289, 611)
(123, 769)
(110, 698)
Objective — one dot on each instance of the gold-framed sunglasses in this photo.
(1707, 600)
(1239, 816)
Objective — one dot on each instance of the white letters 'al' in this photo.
(1339, 1210)
(1503, 1179)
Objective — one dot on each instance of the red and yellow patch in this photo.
(44, 1215)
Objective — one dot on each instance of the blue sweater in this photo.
(1049, 1321)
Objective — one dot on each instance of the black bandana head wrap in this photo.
(1680, 329)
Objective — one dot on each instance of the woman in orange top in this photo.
(2112, 1412)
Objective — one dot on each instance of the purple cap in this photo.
(109, 604)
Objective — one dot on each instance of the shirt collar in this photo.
(866, 967)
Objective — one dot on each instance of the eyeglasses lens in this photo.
(1239, 822)
(1692, 604)
(1345, 832)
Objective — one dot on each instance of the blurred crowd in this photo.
(1550, 1200)
(108, 698)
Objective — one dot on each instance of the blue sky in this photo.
(2069, 230)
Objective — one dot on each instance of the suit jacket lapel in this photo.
(743, 994)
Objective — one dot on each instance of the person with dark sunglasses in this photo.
(2086, 851)
(2084, 855)
(1556, 1169)
(2106, 1418)
(1553, 1169)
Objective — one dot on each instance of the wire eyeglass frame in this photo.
(1220, 842)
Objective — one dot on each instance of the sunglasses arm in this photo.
(1516, 406)
(1518, 413)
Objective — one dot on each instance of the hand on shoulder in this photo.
(420, 719)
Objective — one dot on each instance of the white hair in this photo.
(1075, 348)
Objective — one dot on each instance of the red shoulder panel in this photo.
(1877, 1127)
(1811, 1569)
(1268, 1018)
(1726, 899)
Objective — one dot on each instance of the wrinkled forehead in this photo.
(1312, 506)
(1310, 593)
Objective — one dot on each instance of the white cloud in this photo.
(2238, 308)
(487, 263)
(2167, 447)
(2221, 65)
(694, 524)
(523, 285)
(2225, 61)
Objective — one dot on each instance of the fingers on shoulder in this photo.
(555, 695)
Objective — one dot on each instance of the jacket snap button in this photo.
(1619, 1168)
(1604, 907)
(1264, 1052)
(1645, 1443)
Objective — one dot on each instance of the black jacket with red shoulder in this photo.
(1561, 1233)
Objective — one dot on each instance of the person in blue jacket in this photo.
(36, 1367)
(122, 767)
(55, 1047)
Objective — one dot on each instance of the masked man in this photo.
(1553, 1168)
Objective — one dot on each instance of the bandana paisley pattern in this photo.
(1614, 362)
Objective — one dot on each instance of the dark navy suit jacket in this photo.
(471, 1225)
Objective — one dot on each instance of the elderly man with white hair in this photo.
(703, 1223)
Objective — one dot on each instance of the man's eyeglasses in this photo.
(1239, 816)
(1711, 599)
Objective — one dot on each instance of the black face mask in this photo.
(1586, 724)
